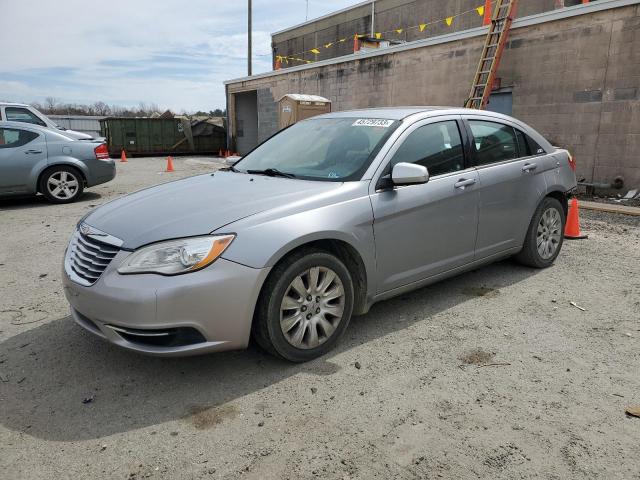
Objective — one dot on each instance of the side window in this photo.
(494, 142)
(534, 147)
(437, 146)
(17, 114)
(523, 145)
(12, 138)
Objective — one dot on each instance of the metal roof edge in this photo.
(538, 18)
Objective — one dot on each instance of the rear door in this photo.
(424, 230)
(22, 151)
(511, 183)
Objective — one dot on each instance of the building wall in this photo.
(389, 16)
(576, 80)
(89, 124)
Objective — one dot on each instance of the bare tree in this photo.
(50, 104)
(101, 108)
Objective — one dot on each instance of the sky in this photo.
(171, 53)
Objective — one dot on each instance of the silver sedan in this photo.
(37, 159)
(315, 225)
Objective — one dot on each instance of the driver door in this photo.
(426, 229)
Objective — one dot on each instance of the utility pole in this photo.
(249, 39)
(373, 14)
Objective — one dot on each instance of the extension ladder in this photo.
(492, 51)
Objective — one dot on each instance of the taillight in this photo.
(102, 152)
(572, 162)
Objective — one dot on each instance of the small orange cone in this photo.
(123, 157)
(220, 152)
(169, 164)
(572, 228)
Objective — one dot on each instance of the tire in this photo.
(546, 228)
(289, 332)
(61, 184)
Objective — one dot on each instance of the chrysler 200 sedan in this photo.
(313, 226)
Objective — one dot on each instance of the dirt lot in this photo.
(490, 375)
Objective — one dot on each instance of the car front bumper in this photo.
(209, 310)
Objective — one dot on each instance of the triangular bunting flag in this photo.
(315, 50)
(449, 21)
(480, 10)
(378, 35)
(399, 30)
(422, 26)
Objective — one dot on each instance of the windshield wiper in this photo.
(272, 172)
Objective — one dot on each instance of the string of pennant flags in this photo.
(448, 21)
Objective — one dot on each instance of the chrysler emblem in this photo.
(87, 230)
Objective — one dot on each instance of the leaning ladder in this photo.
(491, 53)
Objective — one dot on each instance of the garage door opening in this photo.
(246, 124)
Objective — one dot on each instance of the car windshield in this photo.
(327, 149)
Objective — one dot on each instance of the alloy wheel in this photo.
(549, 233)
(62, 185)
(312, 307)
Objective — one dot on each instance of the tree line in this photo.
(51, 106)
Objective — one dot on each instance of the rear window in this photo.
(13, 137)
(18, 114)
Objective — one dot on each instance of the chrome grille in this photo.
(88, 257)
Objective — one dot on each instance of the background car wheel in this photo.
(61, 184)
(305, 306)
(544, 236)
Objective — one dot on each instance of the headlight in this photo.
(177, 256)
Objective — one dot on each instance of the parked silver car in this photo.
(316, 224)
(20, 112)
(36, 159)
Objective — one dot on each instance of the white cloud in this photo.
(175, 54)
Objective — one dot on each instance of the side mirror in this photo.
(409, 174)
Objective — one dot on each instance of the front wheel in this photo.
(61, 184)
(305, 306)
(544, 236)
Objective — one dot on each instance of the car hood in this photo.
(197, 205)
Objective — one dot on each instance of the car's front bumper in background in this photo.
(206, 311)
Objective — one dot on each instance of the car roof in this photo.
(12, 104)
(31, 126)
(400, 113)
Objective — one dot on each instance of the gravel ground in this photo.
(493, 374)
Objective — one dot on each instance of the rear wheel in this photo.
(305, 306)
(544, 236)
(61, 184)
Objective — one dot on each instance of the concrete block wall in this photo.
(576, 80)
(389, 16)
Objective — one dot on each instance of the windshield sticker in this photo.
(372, 122)
(332, 175)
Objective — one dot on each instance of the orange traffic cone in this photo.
(572, 228)
(169, 164)
(123, 157)
(220, 152)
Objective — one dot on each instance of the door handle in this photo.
(32, 151)
(463, 182)
(527, 167)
